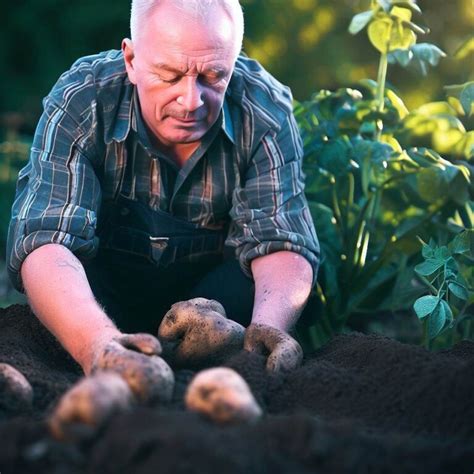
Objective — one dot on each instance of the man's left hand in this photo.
(285, 354)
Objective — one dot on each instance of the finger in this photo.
(257, 339)
(141, 342)
(286, 357)
(284, 353)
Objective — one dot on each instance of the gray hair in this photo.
(199, 8)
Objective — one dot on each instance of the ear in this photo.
(129, 56)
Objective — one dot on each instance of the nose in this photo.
(191, 94)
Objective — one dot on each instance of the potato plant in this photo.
(448, 273)
(379, 175)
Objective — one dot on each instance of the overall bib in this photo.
(149, 259)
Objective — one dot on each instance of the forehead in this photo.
(176, 37)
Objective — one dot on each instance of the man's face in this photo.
(181, 67)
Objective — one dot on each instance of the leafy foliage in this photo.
(370, 199)
(376, 179)
(448, 272)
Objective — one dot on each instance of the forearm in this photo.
(282, 286)
(60, 296)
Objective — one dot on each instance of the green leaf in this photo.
(465, 49)
(428, 52)
(379, 34)
(429, 267)
(387, 35)
(436, 320)
(432, 185)
(334, 156)
(448, 311)
(458, 290)
(367, 128)
(454, 90)
(452, 265)
(360, 21)
(425, 305)
(393, 142)
(401, 12)
(442, 253)
(370, 85)
(425, 54)
(398, 103)
(400, 56)
(435, 108)
(467, 98)
(465, 147)
(407, 4)
(462, 242)
(385, 4)
(427, 251)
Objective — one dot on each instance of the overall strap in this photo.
(129, 179)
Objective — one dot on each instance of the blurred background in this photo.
(304, 43)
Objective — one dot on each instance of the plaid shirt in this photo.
(247, 170)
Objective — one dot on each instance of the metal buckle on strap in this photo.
(159, 242)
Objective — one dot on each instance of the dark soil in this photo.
(362, 404)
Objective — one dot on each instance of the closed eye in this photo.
(170, 81)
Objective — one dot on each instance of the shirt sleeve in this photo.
(58, 193)
(270, 212)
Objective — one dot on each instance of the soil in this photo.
(361, 404)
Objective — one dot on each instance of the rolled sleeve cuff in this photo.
(247, 252)
(28, 235)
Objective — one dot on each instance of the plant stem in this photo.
(335, 204)
(380, 94)
(428, 284)
(350, 191)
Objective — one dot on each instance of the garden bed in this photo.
(363, 403)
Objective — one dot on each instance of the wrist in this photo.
(276, 324)
(94, 345)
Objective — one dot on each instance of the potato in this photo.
(223, 396)
(16, 393)
(88, 404)
(197, 333)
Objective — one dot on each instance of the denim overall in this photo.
(149, 259)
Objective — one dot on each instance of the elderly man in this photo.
(148, 165)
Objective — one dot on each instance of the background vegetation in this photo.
(305, 44)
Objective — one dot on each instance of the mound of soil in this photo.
(361, 404)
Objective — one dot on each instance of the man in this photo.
(147, 166)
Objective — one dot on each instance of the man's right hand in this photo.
(135, 357)
(61, 297)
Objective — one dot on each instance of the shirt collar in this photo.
(227, 125)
